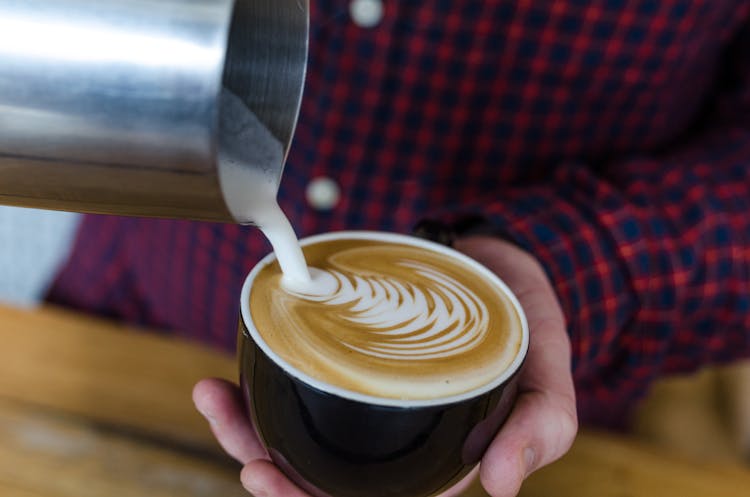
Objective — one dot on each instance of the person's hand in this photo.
(540, 428)
(543, 423)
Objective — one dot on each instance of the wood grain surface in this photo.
(90, 367)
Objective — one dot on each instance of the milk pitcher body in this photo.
(126, 106)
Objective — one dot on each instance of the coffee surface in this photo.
(388, 320)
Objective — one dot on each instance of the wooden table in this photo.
(92, 409)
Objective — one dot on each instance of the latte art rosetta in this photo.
(402, 320)
(387, 319)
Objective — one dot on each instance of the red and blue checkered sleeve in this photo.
(649, 255)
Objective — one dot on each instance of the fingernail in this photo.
(208, 416)
(529, 459)
(256, 492)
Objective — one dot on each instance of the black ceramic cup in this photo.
(338, 443)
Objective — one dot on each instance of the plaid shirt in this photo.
(611, 139)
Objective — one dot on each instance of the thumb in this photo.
(540, 430)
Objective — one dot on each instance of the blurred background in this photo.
(93, 408)
(33, 243)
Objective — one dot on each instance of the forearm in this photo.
(649, 257)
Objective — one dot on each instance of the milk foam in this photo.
(387, 319)
(415, 322)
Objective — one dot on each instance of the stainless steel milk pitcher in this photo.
(117, 106)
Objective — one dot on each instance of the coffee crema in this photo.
(388, 320)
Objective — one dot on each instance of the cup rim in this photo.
(501, 379)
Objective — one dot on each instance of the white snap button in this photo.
(323, 193)
(366, 13)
